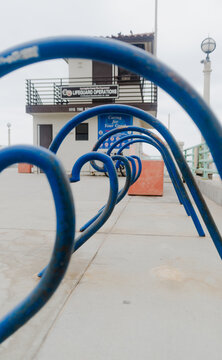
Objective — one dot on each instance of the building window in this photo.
(82, 131)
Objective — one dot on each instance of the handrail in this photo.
(200, 161)
(65, 232)
(49, 91)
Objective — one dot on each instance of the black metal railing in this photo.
(132, 89)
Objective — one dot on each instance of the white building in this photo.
(53, 102)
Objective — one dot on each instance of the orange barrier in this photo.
(24, 168)
(150, 181)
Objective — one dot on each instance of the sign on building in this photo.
(93, 92)
(109, 122)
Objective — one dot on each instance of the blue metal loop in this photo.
(147, 66)
(157, 142)
(113, 193)
(139, 170)
(172, 172)
(128, 57)
(121, 193)
(133, 170)
(65, 231)
(125, 162)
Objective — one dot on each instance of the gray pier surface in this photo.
(144, 287)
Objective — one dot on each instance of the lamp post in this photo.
(208, 45)
(9, 133)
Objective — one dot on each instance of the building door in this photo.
(102, 75)
(44, 136)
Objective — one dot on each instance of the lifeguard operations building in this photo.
(53, 102)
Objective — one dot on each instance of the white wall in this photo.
(80, 68)
(70, 149)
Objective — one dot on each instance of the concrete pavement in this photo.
(145, 286)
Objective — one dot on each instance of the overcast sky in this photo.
(182, 25)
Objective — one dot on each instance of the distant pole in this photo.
(155, 30)
(208, 45)
(9, 133)
(206, 89)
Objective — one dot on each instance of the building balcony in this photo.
(78, 94)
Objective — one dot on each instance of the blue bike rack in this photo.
(121, 193)
(176, 180)
(139, 166)
(141, 63)
(65, 232)
(167, 162)
(113, 194)
(130, 58)
(163, 149)
(148, 118)
(147, 66)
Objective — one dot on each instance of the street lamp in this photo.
(9, 132)
(208, 45)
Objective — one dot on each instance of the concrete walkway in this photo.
(144, 287)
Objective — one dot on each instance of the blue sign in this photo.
(109, 122)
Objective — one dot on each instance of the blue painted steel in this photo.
(184, 168)
(133, 170)
(139, 170)
(65, 232)
(128, 57)
(125, 162)
(144, 64)
(121, 193)
(172, 170)
(173, 173)
(177, 183)
(113, 193)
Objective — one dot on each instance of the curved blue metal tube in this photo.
(65, 232)
(97, 224)
(169, 162)
(148, 118)
(121, 193)
(178, 184)
(128, 57)
(191, 210)
(139, 170)
(133, 170)
(144, 64)
(179, 187)
(125, 162)
(184, 168)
